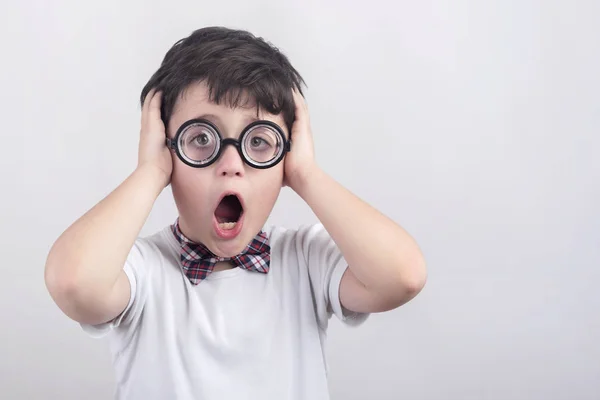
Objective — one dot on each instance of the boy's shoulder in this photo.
(302, 234)
(154, 245)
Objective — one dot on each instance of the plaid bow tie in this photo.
(198, 262)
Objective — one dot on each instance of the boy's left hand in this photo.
(300, 161)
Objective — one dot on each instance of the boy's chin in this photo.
(231, 247)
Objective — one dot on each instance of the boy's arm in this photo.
(386, 267)
(84, 269)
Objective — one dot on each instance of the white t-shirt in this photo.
(238, 334)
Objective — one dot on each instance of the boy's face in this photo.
(198, 191)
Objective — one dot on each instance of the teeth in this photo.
(227, 225)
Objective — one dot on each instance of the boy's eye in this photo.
(202, 139)
(258, 141)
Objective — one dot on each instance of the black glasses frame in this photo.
(173, 144)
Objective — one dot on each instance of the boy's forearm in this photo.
(90, 254)
(381, 254)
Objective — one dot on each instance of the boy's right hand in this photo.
(153, 151)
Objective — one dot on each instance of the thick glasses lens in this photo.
(262, 144)
(199, 143)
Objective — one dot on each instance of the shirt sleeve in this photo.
(136, 271)
(326, 266)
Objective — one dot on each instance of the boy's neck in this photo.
(222, 266)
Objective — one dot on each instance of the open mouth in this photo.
(228, 212)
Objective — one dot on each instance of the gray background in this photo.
(473, 124)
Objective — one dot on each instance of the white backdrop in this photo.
(473, 124)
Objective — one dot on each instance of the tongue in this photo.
(227, 211)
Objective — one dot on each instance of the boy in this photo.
(215, 306)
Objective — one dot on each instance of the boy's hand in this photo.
(153, 151)
(300, 161)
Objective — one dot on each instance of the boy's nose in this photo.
(230, 163)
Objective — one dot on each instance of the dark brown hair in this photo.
(237, 67)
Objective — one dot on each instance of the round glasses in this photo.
(198, 143)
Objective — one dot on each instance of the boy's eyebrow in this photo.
(215, 119)
(248, 119)
(211, 117)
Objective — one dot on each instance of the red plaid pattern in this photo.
(198, 262)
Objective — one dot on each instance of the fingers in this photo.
(154, 111)
(300, 104)
(151, 106)
(147, 100)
